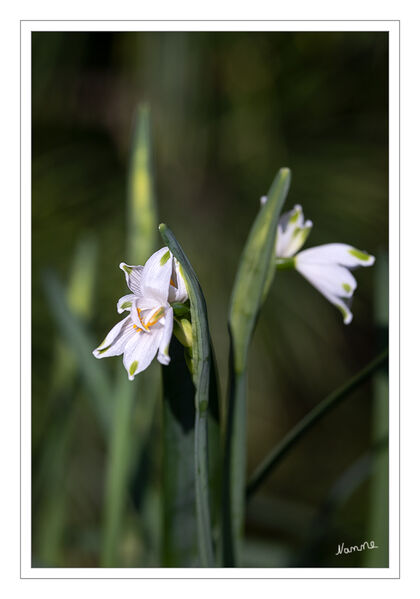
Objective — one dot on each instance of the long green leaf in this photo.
(55, 449)
(308, 421)
(78, 339)
(142, 209)
(255, 268)
(179, 548)
(79, 295)
(215, 453)
(201, 360)
(125, 444)
(254, 274)
(118, 469)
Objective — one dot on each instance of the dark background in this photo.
(228, 109)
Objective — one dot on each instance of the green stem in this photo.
(252, 282)
(202, 490)
(308, 421)
(234, 471)
(201, 463)
(285, 263)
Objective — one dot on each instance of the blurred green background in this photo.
(227, 109)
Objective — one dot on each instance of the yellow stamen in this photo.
(156, 317)
(141, 320)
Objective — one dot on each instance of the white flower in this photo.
(326, 267)
(292, 231)
(148, 327)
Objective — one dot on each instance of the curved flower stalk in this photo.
(147, 329)
(327, 267)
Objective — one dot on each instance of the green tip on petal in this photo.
(346, 287)
(103, 350)
(127, 269)
(347, 316)
(363, 256)
(133, 367)
(165, 258)
(295, 216)
(342, 310)
(126, 305)
(102, 343)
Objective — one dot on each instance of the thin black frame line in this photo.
(20, 300)
(210, 20)
(202, 578)
(399, 302)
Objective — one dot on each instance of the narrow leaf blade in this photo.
(78, 339)
(142, 209)
(254, 275)
(255, 268)
(141, 240)
(201, 351)
(57, 438)
(179, 518)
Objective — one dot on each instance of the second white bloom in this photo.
(326, 267)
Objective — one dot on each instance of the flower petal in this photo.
(291, 218)
(125, 302)
(177, 289)
(299, 236)
(336, 253)
(133, 276)
(116, 340)
(163, 355)
(292, 232)
(156, 275)
(141, 350)
(335, 279)
(327, 280)
(342, 305)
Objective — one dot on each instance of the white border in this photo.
(143, 573)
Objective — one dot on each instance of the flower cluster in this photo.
(154, 287)
(327, 267)
(147, 329)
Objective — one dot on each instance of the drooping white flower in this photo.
(147, 329)
(326, 267)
